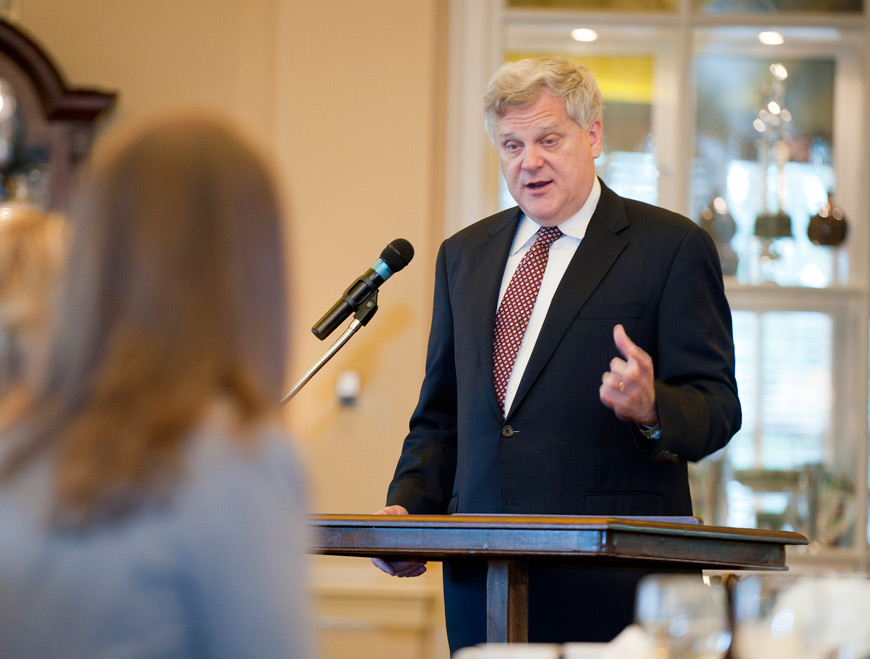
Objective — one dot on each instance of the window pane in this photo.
(764, 146)
(784, 367)
(774, 6)
(606, 5)
(778, 472)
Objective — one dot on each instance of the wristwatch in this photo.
(650, 432)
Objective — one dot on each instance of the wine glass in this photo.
(811, 617)
(686, 617)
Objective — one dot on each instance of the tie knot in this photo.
(548, 235)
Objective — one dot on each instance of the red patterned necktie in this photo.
(516, 308)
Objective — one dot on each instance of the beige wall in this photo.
(349, 97)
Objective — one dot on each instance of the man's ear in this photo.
(596, 137)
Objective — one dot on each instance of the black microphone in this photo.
(395, 256)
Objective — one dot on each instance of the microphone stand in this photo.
(362, 316)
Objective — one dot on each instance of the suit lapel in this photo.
(595, 255)
(489, 263)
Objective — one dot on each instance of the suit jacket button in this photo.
(507, 431)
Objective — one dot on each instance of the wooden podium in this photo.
(509, 543)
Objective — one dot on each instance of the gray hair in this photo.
(520, 84)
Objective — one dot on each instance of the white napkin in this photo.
(510, 651)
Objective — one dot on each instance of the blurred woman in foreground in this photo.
(150, 503)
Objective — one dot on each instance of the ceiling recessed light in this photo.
(584, 34)
(771, 38)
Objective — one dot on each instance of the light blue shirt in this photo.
(218, 572)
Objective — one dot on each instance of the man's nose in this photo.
(531, 158)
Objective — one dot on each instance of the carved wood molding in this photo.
(58, 100)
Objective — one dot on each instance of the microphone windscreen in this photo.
(397, 254)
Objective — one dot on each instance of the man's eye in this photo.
(512, 146)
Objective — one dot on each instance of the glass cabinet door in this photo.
(764, 166)
(788, 466)
(764, 144)
(633, 69)
(778, 6)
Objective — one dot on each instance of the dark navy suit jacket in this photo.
(560, 451)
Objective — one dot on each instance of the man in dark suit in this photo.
(624, 369)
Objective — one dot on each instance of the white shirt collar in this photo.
(574, 226)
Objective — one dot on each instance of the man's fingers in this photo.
(623, 343)
(637, 357)
(614, 381)
(392, 510)
(400, 568)
(385, 566)
(409, 568)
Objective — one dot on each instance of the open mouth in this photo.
(537, 185)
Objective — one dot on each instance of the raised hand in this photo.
(628, 387)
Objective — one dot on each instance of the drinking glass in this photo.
(685, 616)
(812, 617)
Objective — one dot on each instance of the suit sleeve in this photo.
(696, 391)
(423, 481)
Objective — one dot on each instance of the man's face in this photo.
(547, 159)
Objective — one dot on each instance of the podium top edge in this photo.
(686, 525)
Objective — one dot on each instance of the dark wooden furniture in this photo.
(509, 543)
(46, 126)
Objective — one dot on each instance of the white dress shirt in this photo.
(561, 253)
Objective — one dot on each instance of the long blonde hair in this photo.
(31, 253)
(174, 293)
